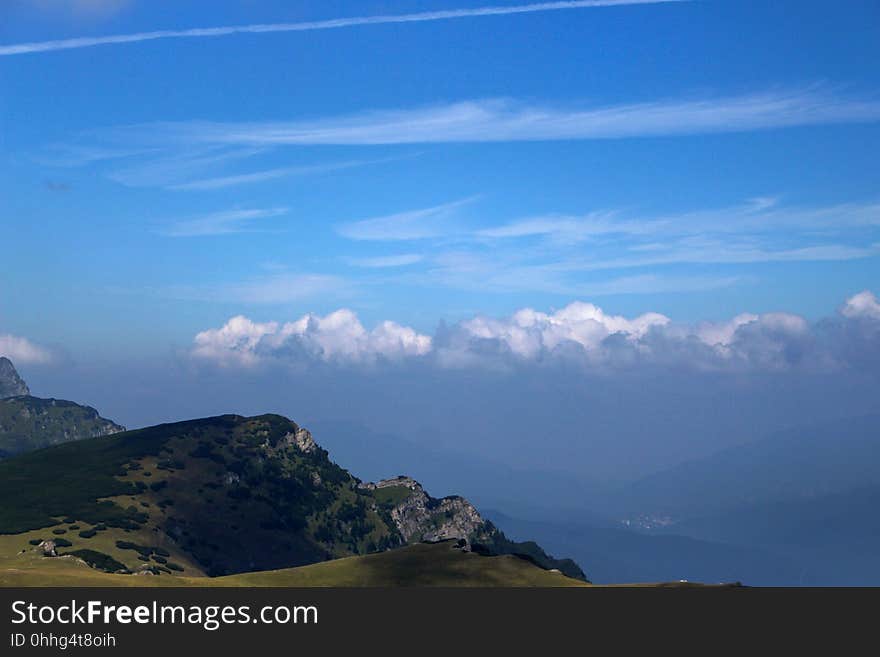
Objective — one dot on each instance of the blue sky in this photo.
(694, 159)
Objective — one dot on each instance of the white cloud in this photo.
(572, 229)
(221, 223)
(336, 23)
(22, 350)
(277, 289)
(562, 254)
(233, 343)
(756, 216)
(528, 333)
(502, 120)
(580, 333)
(411, 225)
(162, 167)
(221, 182)
(381, 262)
(95, 9)
(337, 337)
(863, 305)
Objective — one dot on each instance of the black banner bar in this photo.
(413, 621)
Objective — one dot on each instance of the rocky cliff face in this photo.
(419, 517)
(11, 384)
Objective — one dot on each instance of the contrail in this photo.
(86, 42)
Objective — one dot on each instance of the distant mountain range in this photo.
(623, 555)
(796, 507)
(799, 464)
(28, 423)
(808, 495)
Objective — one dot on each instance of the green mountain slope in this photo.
(29, 423)
(219, 496)
(438, 564)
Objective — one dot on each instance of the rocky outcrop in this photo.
(11, 384)
(302, 440)
(47, 549)
(420, 517)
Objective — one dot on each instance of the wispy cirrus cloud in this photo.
(220, 182)
(221, 223)
(306, 26)
(504, 120)
(602, 252)
(282, 287)
(94, 9)
(382, 262)
(191, 155)
(411, 225)
(170, 168)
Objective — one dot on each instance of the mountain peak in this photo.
(11, 384)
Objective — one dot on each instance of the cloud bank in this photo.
(336, 23)
(581, 334)
(22, 350)
(338, 337)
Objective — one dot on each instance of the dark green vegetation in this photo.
(99, 560)
(234, 494)
(529, 550)
(29, 423)
(215, 496)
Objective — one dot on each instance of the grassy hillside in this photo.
(232, 494)
(438, 564)
(217, 496)
(29, 423)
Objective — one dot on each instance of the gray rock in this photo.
(11, 384)
(302, 439)
(420, 517)
(47, 549)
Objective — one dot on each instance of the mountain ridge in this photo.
(28, 422)
(224, 495)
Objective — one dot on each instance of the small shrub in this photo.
(87, 533)
(58, 532)
(62, 542)
(175, 566)
(140, 549)
(35, 541)
(99, 560)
